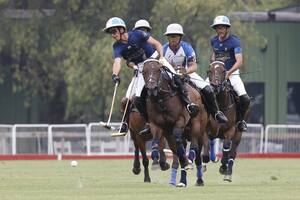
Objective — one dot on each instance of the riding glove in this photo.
(116, 79)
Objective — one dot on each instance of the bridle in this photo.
(157, 81)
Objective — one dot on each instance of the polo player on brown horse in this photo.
(169, 117)
(229, 105)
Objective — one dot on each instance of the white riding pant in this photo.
(137, 83)
(198, 80)
(237, 83)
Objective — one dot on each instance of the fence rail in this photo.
(93, 139)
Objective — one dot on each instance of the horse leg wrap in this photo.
(230, 165)
(180, 151)
(155, 149)
(212, 150)
(226, 149)
(173, 176)
(177, 132)
(226, 145)
(199, 171)
(183, 177)
(230, 162)
(192, 154)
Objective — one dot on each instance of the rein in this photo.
(225, 87)
(222, 87)
(160, 86)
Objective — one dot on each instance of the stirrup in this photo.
(242, 126)
(221, 118)
(124, 128)
(193, 109)
(146, 132)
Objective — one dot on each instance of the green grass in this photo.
(266, 179)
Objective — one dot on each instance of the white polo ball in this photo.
(74, 163)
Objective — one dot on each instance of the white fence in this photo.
(282, 139)
(251, 142)
(93, 139)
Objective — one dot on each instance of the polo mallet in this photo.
(118, 134)
(106, 125)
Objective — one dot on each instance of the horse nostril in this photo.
(151, 84)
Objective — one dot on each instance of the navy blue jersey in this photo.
(225, 51)
(136, 49)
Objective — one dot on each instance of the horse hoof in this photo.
(205, 159)
(199, 182)
(181, 185)
(228, 178)
(147, 180)
(136, 171)
(223, 169)
(164, 166)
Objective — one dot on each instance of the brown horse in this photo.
(136, 123)
(226, 99)
(168, 117)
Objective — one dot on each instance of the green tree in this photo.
(57, 51)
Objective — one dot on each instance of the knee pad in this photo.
(177, 133)
(244, 100)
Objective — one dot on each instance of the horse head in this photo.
(216, 74)
(152, 74)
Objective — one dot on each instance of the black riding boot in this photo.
(212, 105)
(192, 108)
(124, 125)
(244, 106)
(140, 104)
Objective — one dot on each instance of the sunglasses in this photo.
(113, 31)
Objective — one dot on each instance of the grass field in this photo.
(266, 179)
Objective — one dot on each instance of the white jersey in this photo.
(182, 57)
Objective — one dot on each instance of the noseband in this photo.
(219, 83)
(157, 81)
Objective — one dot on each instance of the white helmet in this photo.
(174, 29)
(114, 22)
(142, 24)
(221, 20)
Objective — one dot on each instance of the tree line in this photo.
(55, 49)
